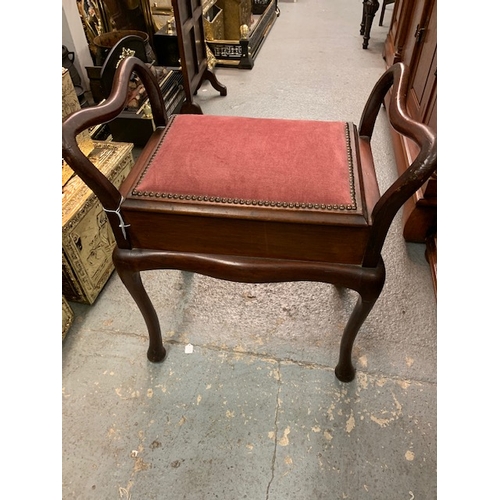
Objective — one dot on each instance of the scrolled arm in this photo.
(423, 166)
(77, 122)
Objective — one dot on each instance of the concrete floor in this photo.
(255, 411)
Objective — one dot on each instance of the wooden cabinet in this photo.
(412, 39)
(422, 47)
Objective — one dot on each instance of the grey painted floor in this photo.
(255, 411)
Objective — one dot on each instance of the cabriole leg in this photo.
(369, 292)
(345, 370)
(133, 282)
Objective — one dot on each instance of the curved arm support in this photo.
(418, 172)
(81, 120)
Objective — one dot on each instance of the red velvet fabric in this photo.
(293, 161)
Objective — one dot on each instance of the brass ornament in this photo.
(125, 53)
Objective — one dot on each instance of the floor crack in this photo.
(278, 402)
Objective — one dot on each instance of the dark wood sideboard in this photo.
(412, 39)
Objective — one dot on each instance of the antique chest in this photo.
(87, 240)
(67, 317)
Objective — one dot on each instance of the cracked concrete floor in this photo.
(231, 425)
(255, 411)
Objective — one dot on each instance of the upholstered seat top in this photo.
(238, 160)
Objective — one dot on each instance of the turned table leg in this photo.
(370, 8)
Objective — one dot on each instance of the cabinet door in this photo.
(423, 82)
(398, 30)
(413, 40)
(409, 42)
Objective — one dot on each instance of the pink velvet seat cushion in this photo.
(252, 160)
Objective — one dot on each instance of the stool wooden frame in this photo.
(354, 260)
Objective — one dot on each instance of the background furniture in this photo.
(238, 48)
(246, 26)
(412, 39)
(193, 52)
(385, 3)
(135, 123)
(67, 317)
(87, 238)
(370, 8)
(290, 200)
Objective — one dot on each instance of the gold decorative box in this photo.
(67, 317)
(213, 23)
(236, 14)
(70, 104)
(87, 239)
(245, 25)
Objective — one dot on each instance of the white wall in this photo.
(73, 36)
